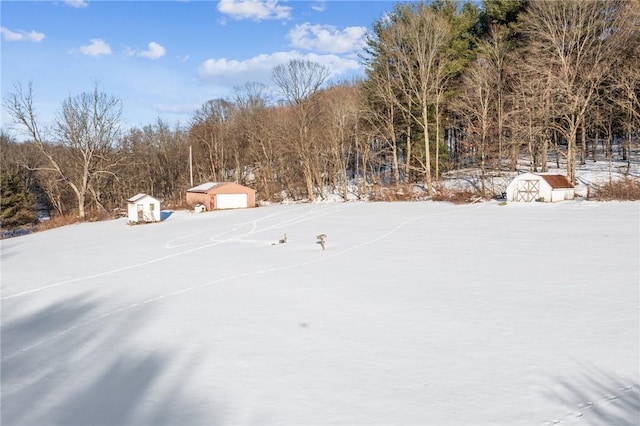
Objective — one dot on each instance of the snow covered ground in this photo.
(417, 313)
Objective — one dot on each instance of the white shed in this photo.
(143, 208)
(540, 187)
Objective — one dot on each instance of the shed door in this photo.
(528, 190)
(231, 201)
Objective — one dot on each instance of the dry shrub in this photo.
(100, 215)
(403, 192)
(57, 222)
(627, 189)
(463, 196)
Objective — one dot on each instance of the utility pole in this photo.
(191, 165)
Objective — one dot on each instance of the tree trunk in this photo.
(407, 160)
(544, 154)
(427, 150)
(583, 151)
(571, 154)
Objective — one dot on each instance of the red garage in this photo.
(221, 195)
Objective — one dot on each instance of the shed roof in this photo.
(557, 181)
(139, 197)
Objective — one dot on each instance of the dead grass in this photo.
(70, 219)
(626, 189)
(408, 193)
(394, 193)
(457, 196)
(100, 215)
(57, 222)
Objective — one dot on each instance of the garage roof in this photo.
(228, 187)
(204, 187)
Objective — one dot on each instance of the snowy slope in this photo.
(416, 313)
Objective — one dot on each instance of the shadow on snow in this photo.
(66, 365)
(598, 397)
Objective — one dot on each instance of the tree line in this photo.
(448, 85)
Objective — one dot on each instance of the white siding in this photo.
(149, 206)
(546, 192)
(532, 187)
(563, 194)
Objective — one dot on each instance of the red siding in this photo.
(203, 197)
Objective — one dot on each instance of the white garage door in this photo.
(231, 201)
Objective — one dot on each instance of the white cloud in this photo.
(256, 10)
(319, 5)
(327, 38)
(97, 47)
(76, 3)
(154, 51)
(258, 68)
(20, 35)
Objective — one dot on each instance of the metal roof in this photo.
(204, 187)
(136, 197)
(557, 181)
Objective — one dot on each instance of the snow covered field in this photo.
(416, 313)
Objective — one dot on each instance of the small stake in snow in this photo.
(322, 239)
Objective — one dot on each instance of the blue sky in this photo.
(163, 59)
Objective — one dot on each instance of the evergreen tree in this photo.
(501, 12)
(17, 206)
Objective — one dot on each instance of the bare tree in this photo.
(530, 116)
(339, 125)
(298, 81)
(209, 132)
(625, 82)
(474, 103)
(495, 49)
(577, 41)
(170, 159)
(414, 41)
(381, 113)
(84, 132)
(253, 126)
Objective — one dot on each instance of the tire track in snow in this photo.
(213, 242)
(200, 286)
(170, 244)
(165, 296)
